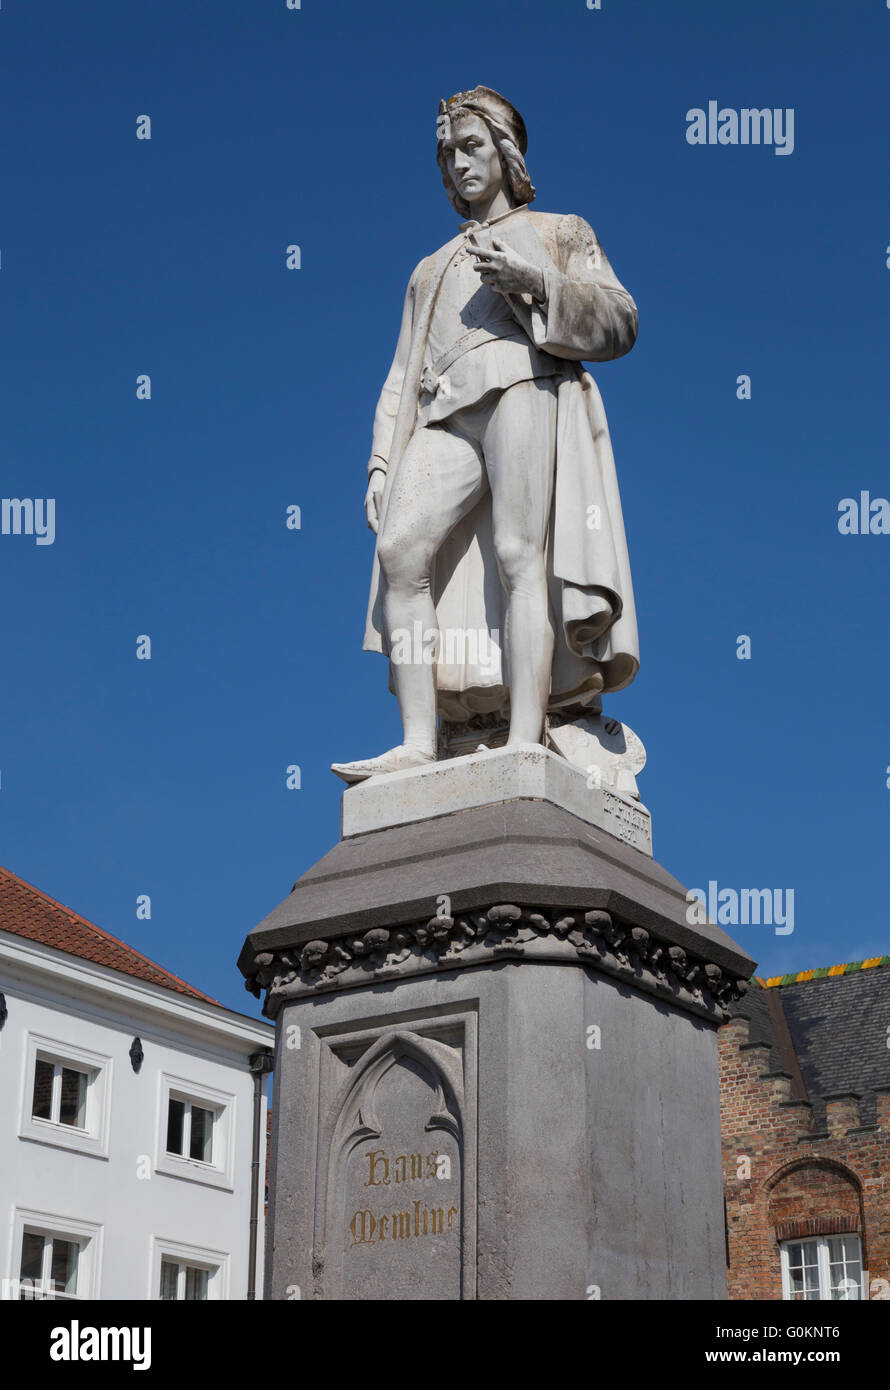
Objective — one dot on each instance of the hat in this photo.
(488, 104)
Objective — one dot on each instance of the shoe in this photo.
(396, 760)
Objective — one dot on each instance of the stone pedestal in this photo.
(528, 772)
(496, 1066)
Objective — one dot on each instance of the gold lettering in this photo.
(400, 1167)
(375, 1157)
(363, 1222)
(431, 1165)
(401, 1225)
(417, 1166)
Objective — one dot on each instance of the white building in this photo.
(132, 1119)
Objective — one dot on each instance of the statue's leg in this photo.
(519, 448)
(440, 477)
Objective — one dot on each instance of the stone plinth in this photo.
(528, 772)
(496, 1070)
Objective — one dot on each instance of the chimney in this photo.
(779, 1083)
(737, 1030)
(761, 1053)
(842, 1112)
(882, 1105)
(799, 1114)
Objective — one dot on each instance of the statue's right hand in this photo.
(372, 498)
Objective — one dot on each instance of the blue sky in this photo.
(316, 127)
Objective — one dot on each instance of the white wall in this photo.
(127, 1194)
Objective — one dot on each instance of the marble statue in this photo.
(501, 582)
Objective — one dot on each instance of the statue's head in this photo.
(480, 143)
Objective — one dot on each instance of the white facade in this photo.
(92, 1188)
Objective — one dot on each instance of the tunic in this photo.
(475, 321)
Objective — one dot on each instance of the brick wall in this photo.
(782, 1180)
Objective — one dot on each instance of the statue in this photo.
(501, 583)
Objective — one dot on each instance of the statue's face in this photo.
(472, 160)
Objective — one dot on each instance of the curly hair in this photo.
(512, 162)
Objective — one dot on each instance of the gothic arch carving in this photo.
(352, 1118)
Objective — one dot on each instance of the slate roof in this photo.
(837, 1020)
(26, 911)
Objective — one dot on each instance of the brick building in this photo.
(805, 1109)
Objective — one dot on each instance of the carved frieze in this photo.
(503, 931)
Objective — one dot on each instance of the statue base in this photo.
(528, 771)
(496, 1061)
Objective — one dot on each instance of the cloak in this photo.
(586, 315)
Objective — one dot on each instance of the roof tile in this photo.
(837, 1019)
(26, 911)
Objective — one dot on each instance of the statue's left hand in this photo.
(504, 270)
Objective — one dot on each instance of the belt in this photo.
(431, 376)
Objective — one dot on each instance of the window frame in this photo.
(219, 1172)
(823, 1263)
(93, 1138)
(190, 1105)
(215, 1262)
(55, 1095)
(86, 1235)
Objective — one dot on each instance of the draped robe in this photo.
(586, 315)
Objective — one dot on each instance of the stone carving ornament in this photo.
(592, 938)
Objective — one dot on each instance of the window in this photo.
(184, 1282)
(825, 1268)
(60, 1093)
(57, 1258)
(49, 1266)
(190, 1129)
(67, 1096)
(195, 1136)
(187, 1274)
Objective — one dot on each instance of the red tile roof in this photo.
(25, 911)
